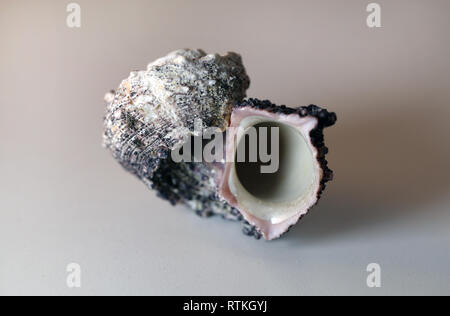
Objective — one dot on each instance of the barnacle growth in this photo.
(156, 111)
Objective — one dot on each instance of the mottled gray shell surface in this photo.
(155, 110)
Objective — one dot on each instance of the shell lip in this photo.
(312, 132)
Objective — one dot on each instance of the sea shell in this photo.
(157, 111)
(154, 111)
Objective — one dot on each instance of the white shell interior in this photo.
(275, 197)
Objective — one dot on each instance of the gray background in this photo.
(63, 199)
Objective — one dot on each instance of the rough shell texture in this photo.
(157, 109)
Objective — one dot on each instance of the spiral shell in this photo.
(156, 111)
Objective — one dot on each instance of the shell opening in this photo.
(275, 196)
(295, 170)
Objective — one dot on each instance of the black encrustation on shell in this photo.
(155, 111)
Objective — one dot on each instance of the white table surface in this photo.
(63, 198)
